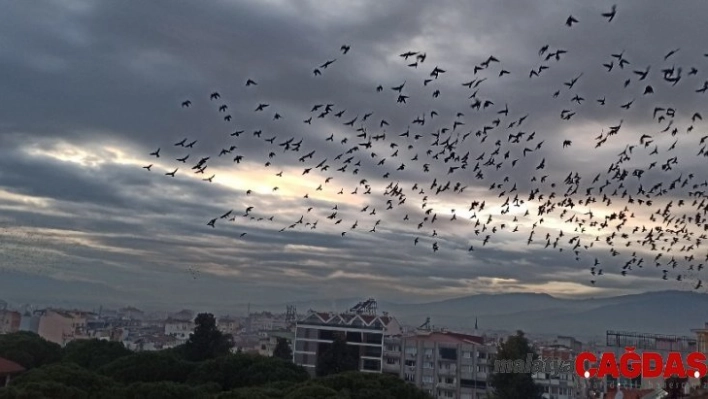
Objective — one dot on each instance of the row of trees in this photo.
(202, 368)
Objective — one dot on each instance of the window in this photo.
(410, 377)
(467, 354)
(428, 365)
(373, 338)
(427, 379)
(353, 336)
(411, 350)
(372, 351)
(481, 355)
(323, 334)
(448, 353)
(466, 368)
(370, 364)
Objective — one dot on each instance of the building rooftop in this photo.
(448, 336)
(8, 367)
(357, 320)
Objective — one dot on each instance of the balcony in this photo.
(446, 386)
(392, 367)
(447, 371)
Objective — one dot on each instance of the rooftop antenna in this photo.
(426, 325)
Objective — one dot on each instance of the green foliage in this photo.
(43, 390)
(206, 342)
(515, 385)
(93, 353)
(104, 370)
(244, 370)
(367, 386)
(313, 391)
(251, 393)
(165, 390)
(67, 374)
(282, 350)
(28, 349)
(148, 367)
(338, 357)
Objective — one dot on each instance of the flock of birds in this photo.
(641, 207)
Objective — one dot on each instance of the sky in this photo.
(92, 88)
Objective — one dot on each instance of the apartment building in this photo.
(701, 338)
(362, 327)
(269, 341)
(179, 328)
(617, 341)
(558, 385)
(9, 321)
(446, 364)
(62, 326)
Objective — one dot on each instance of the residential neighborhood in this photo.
(444, 363)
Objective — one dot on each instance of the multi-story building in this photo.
(559, 384)
(445, 364)
(30, 321)
(701, 338)
(617, 341)
(179, 328)
(9, 321)
(62, 326)
(131, 313)
(269, 340)
(228, 325)
(361, 326)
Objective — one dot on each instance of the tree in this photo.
(360, 385)
(93, 353)
(29, 349)
(67, 374)
(245, 370)
(515, 385)
(282, 350)
(206, 342)
(148, 367)
(337, 358)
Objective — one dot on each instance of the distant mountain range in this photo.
(662, 312)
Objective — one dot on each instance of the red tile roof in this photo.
(9, 367)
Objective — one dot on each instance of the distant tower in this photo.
(291, 314)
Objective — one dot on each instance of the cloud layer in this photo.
(90, 89)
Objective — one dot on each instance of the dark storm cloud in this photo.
(112, 75)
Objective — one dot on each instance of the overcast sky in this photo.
(91, 88)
